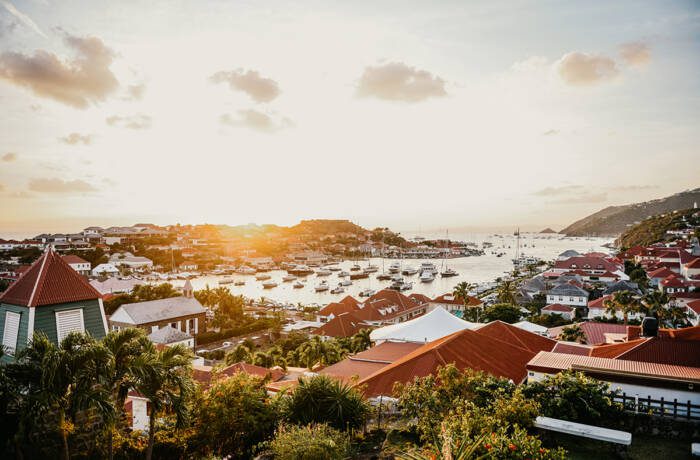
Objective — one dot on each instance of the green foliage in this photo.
(573, 333)
(502, 312)
(321, 399)
(622, 301)
(575, 397)
(549, 320)
(311, 442)
(141, 293)
(234, 416)
(506, 291)
(653, 229)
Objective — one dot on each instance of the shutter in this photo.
(69, 321)
(9, 336)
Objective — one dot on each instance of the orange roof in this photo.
(73, 259)
(695, 306)
(336, 308)
(572, 348)
(205, 374)
(599, 302)
(366, 363)
(516, 336)
(420, 298)
(614, 350)
(451, 299)
(344, 325)
(49, 281)
(391, 302)
(695, 263)
(558, 308)
(350, 300)
(593, 331)
(464, 349)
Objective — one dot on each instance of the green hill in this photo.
(653, 229)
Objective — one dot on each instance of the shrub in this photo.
(311, 442)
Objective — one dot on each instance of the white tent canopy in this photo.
(431, 326)
(532, 327)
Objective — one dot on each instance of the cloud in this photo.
(135, 92)
(56, 185)
(138, 121)
(635, 54)
(84, 80)
(256, 120)
(77, 138)
(581, 69)
(583, 198)
(395, 81)
(558, 191)
(551, 132)
(572, 194)
(23, 18)
(633, 188)
(259, 88)
(9, 156)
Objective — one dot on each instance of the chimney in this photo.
(633, 332)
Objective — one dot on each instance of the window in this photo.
(9, 336)
(68, 321)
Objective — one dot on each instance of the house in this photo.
(333, 309)
(131, 261)
(184, 313)
(622, 285)
(657, 275)
(389, 307)
(52, 298)
(366, 363)
(598, 309)
(169, 336)
(345, 324)
(691, 270)
(693, 308)
(591, 264)
(188, 266)
(115, 285)
(454, 305)
(674, 284)
(78, 264)
(105, 270)
(595, 333)
(568, 294)
(564, 311)
(423, 329)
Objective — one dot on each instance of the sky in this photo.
(407, 114)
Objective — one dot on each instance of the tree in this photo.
(574, 396)
(506, 291)
(655, 303)
(319, 351)
(163, 376)
(310, 442)
(461, 292)
(503, 312)
(234, 416)
(573, 333)
(361, 341)
(321, 399)
(623, 301)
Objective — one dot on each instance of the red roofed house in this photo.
(78, 264)
(673, 284)
(344, 325)
(52, 298)
(592, 265)
(453, 304)
(691, 270)
(564, 311)
(368, 362)
(389, 307)
(658, 274)
(333, 309)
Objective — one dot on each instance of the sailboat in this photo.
(445, 271)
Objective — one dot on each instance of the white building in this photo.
(568, 294)
(423, 329)
(105, 270)
(78, 264)
(131, 261)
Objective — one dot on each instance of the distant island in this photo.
(548, 230)
(614, 220)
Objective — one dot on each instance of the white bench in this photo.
(586, 431)
(695, 449)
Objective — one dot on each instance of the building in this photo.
(52, 298)
(131, 261)
(169, 336)
(366, 363)
(345, 324)
(568, 294)
(389, 307)
(598, 309)
(78, 264)
(105, 270)
(595, 333)
(454, 305)
(564, 311)
(115, 285)
(184, 313)
(423, 329)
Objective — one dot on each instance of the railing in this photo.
(659, 407)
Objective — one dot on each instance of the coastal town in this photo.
(629, 318)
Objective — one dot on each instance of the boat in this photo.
(300, 270)
(428, 267)
(408, 271)
(323, 272)
(287, 278)
(427, 277)
(401, 285)
(322, 286)
(448, 272)
(384, 277)
(343, 274)
(334, 268)
(239, 283)
(395, 267)
(244, 270)
(359, 276)
(226, 281)
(298, 285)
(345, 283)
(262, 276)
(371, 269)
(367, 293)
(355, 268)
(337, 290)
(269, 284)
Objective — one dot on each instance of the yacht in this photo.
(401, 285)
(337, 290)
(334, 268)
(367, 293)
(395, 267)
(287, 278)
(345, 283)
(428, 266)
(408, 271)
(226, 280)
(448, 272)
(384, 277)
(269, 284)
(246, 270)
(357, 276)
(355, 268)
(371, 269)
(239, 283)
(298, 285)
(262, 276)
(323, 272)
(322, 286)
(343, 274)
(300, 270)
(427, 277)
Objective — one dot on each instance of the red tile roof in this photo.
(386, 305)
(49, 281)
(369, 361)
(420, 298)
(593, 331)
(344, 325)
(572, 348)
(599, 302)
(695, 263)
(557, 307)
(452, 300)
(662, 272)
(336, 308)
(350, 300)
(516, 336)
(205, 374)
(586, 263)
(695, 306)
(673, 281)
(614, 350)
(73, 259)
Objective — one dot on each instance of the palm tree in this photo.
(361, 341)
(655, 303)
(461, 292)
(124, 347)
(573, 333)
(238, 354)
(506, 292)
(623, 301)
(163, 376)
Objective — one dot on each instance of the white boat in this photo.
(262, 276)
(428, 266)
(448, 272)
(408, 271)
(367, 293)
(427, 277)
(323, 272)
(395, 267)
(246, 270)
(355, 268)
(269, 284)
(322, 286)
(401, 285)
(334, 268)
(371, 269)
(298, 285)
(343, 274)
(345, 283)
(287, 278)
(239, 283)
(337, 290)
(226, 281)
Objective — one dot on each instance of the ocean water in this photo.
(480, 269)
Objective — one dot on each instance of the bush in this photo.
(321, 399)
(311, 442)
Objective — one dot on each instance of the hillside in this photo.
(654, 229)
(614, 220)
